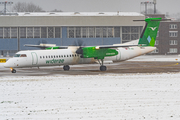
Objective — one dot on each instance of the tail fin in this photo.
(148, 36)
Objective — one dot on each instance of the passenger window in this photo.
(64, 55)
(40, 57)
(54, 56)
(59, 56)
(75, 55)
(72, 55)
(46, 56)
(67, 56)
(51, 56)
(43, 56)
(23, 55)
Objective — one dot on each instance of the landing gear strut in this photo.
(66, 67)
(102, 67)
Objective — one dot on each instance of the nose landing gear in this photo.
(13, 70)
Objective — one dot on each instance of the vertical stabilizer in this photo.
(148, 36)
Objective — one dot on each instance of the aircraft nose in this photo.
(8, 64)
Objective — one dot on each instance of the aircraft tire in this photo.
(13, 71)
(66, 68)
(103, 68)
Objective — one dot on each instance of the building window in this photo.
(29, 32)
(173, 42)
(173, 26)
(23, 32)
(1, 32)
(7, 32)
(50, 32)
(14, 32)
(173, 50)
(57, 32)
(98, 32)
(173, 33)
(155, 51)
(36, 32)
(157, 34)
(43, 32)
(84, 32)
(71, 32)
(130, 33)
(117, 31)
(110, 31)
(78, 32)
(104, 32)
(91, 32)
(157, 42)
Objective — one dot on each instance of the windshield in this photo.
(20, 55)
(17, 55)
(23, 55)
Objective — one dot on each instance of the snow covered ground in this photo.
(158, 58)
(91, 97)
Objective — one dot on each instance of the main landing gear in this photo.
(66, 67)
(102, 67)
(13, 70)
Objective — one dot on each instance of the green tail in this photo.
(148, 36)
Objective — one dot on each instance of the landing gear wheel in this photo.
(103, 68)
(13, 71)
(66, 67)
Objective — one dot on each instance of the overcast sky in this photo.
(171, 6)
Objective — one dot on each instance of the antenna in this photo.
(5, 4)
(4, 11)
(154, 6)
(149, 3)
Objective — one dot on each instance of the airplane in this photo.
(73, 55)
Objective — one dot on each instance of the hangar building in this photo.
(63, 28)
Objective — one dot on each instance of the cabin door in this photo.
(34, 58)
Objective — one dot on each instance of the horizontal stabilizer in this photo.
(114, 46)
(156, 20)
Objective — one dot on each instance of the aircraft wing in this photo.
(114, 46)
(44, 46)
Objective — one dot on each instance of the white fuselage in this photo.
(58, 57)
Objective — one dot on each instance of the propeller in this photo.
(42, 42)
(80, 44)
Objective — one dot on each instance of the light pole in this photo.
(149, 3)
(5, 4)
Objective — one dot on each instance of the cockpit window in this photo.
(20, 55)
(17, 55)
(23, 55)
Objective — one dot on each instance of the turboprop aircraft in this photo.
(72, 55)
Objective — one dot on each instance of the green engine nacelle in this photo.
(96, 53)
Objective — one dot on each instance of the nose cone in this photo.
(9, 64)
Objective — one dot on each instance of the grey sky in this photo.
(171, 6)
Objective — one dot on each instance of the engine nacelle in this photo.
(96, 53)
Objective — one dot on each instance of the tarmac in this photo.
(125, 67)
